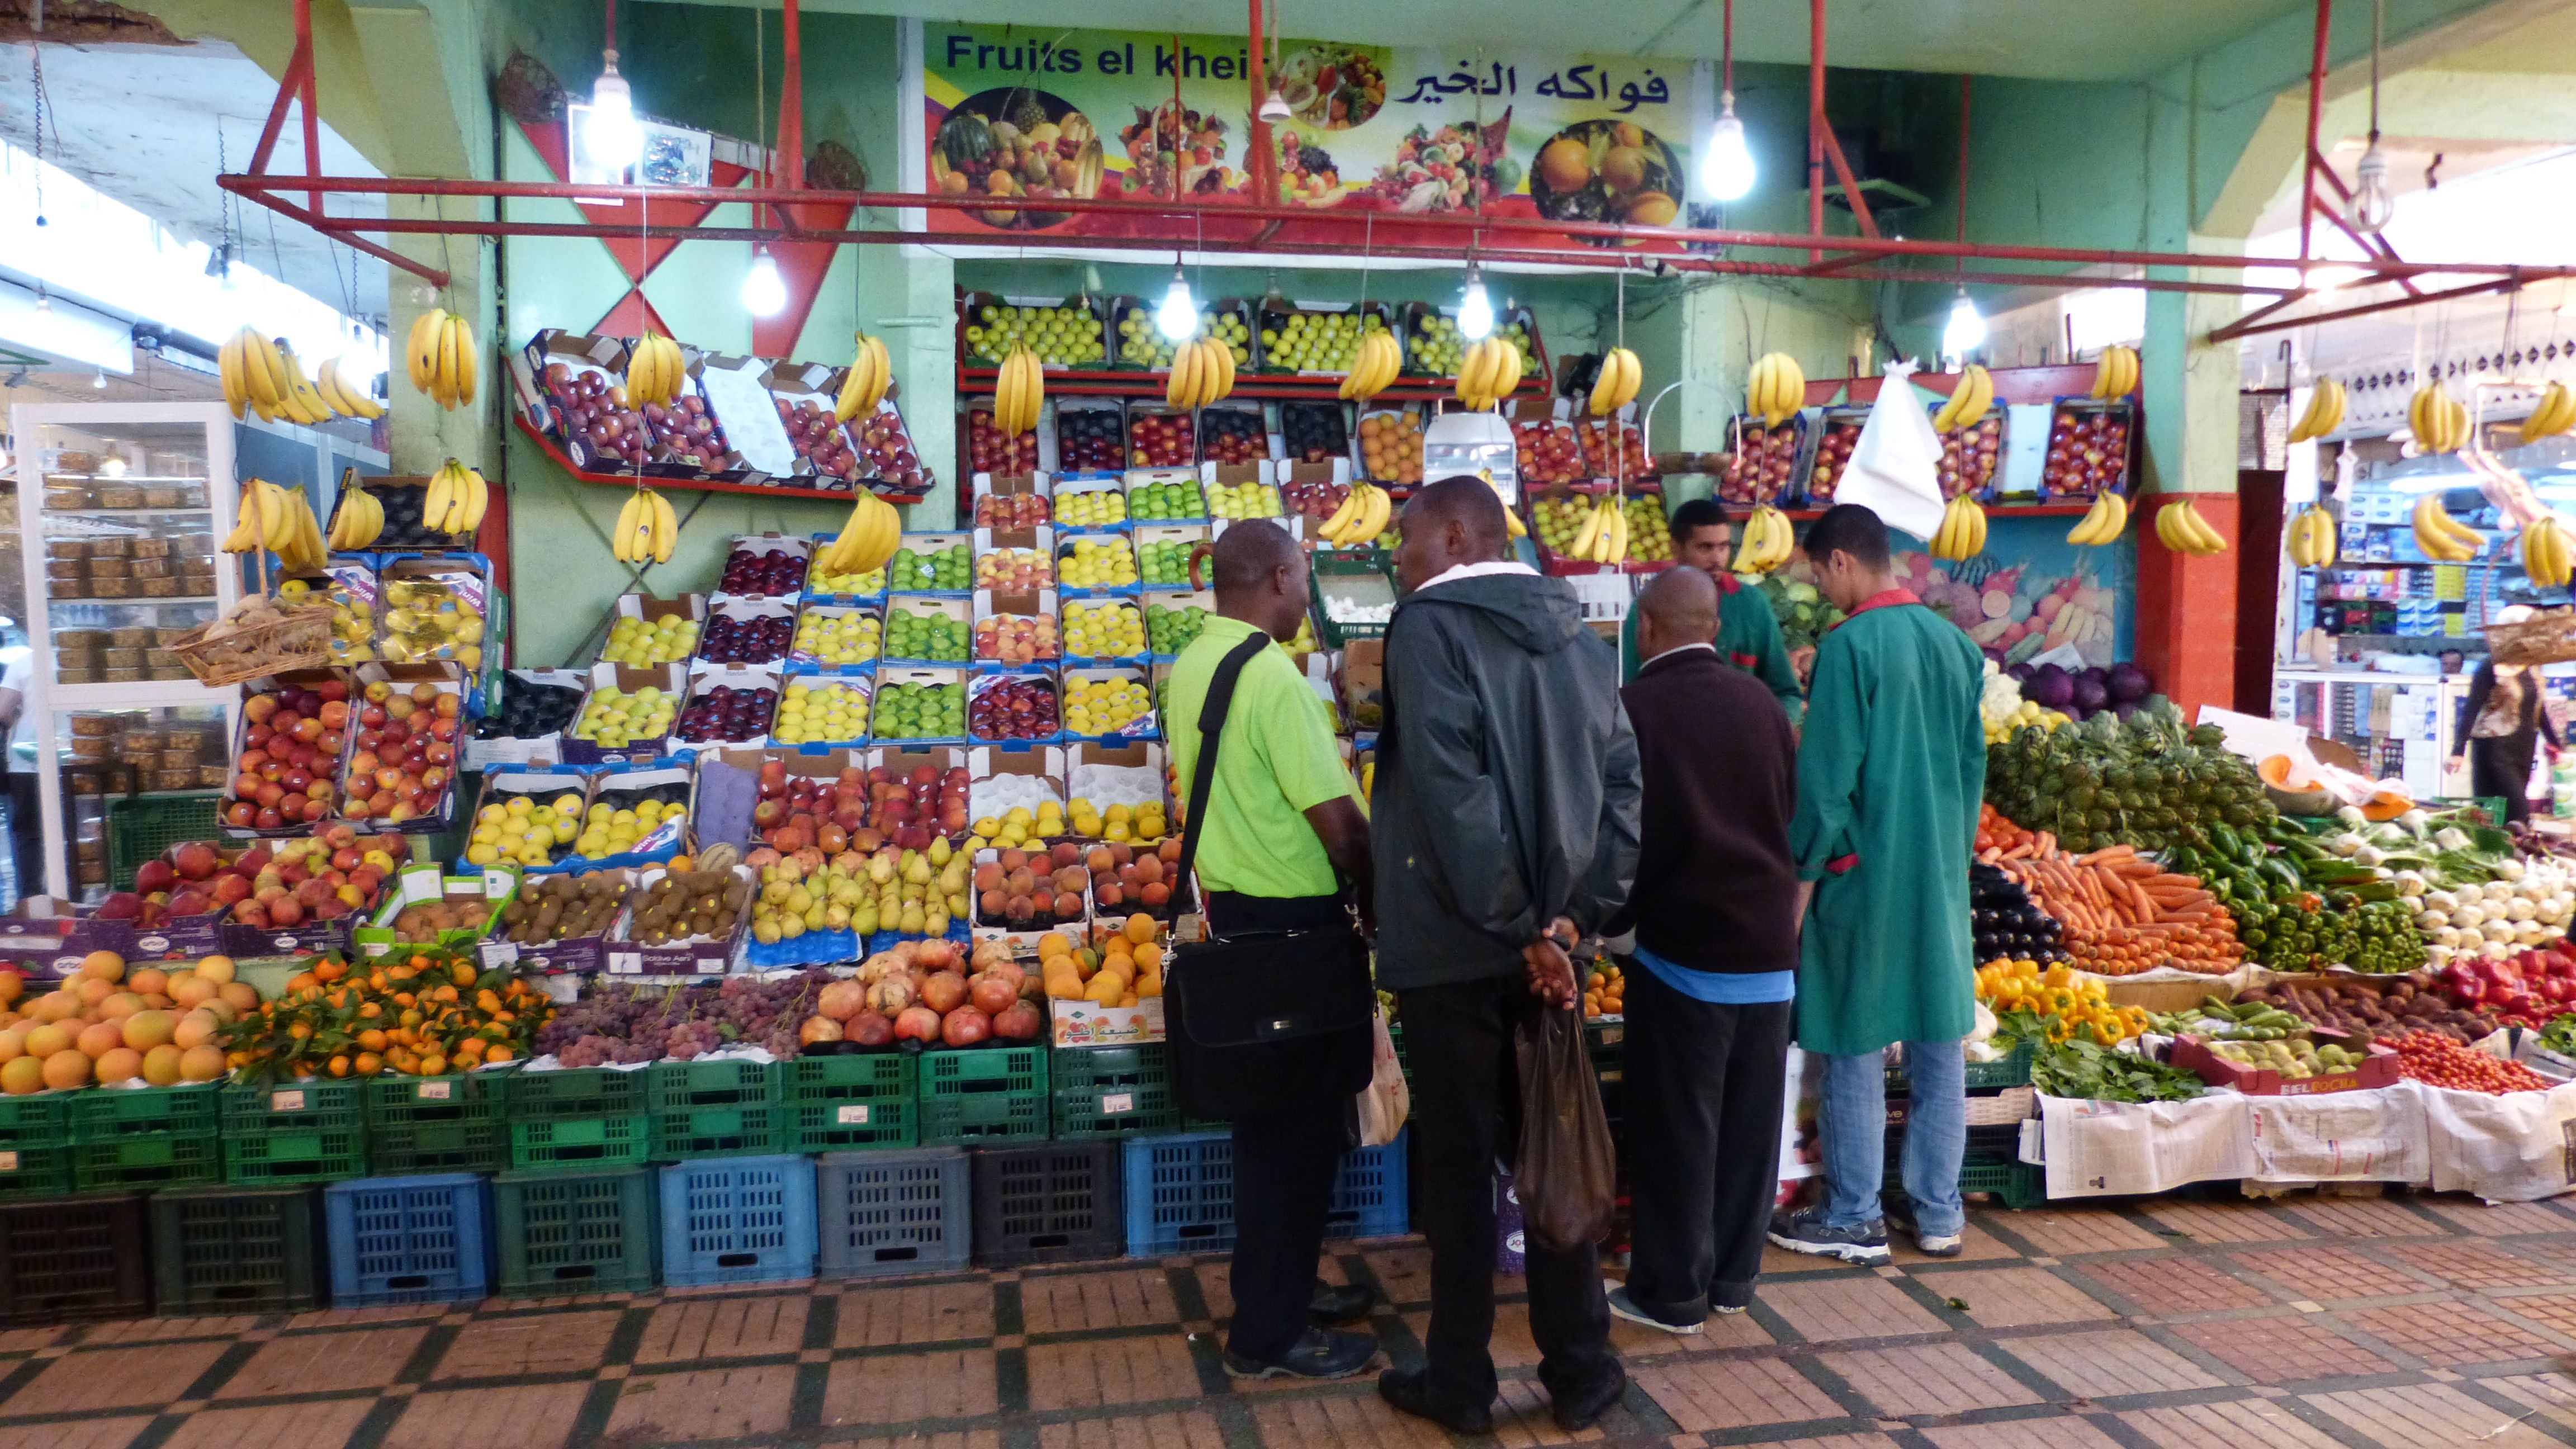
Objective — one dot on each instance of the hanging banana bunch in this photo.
(261, 376)
(1512, 522)
(2183, 530)
(1373, 367)
(1361, 518)
(1617, 385)
(2439, 421)
(1202, 373)
(646, 529)
(1603, 539)
(2312, 538)
(2115, 373)
(441, 357)
(1962, 533)
(1969, 402)
(456, 500)
(655, 371)
(2103, 523)
(1775, 388)
(2324, 414)
(1018, 392)
(357, 522)
(2544, 551)
(347, 398)
(2441, 537)
(281, 521)
(2553, 414)
(1488, 373)
(1768, 541)
(867, 539)
(864, 385)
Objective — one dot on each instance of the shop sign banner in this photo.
(1378, 133)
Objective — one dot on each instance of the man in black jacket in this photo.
(1710, 997)
(1505, 825)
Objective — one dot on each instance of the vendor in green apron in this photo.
(1891, 768)
(1748, 632)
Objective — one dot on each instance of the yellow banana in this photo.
(469, 366)
(1581, 548)
(1616, 386)
(2324, 413)
(1512, 521)
(442, 376)
(2548, 416)
(1781, 389)
(1342, 517)
(420, 348)
(621, 538)
(666, 528)
(228, 364)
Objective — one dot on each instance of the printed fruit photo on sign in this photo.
(1606, 170)
(1016, 142)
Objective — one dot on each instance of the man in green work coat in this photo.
(1890, 770)
(1748, 632)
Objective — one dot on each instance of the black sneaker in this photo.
(1578, 1411)
(1319, 1354)
(1900, 1215)
(1804, 1231)
(1622, 1306)
(1409, 1392)
(1345, 1303)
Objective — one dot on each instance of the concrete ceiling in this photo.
(152, 125)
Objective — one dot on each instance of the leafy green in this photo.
(2082, 1070)
(2560, 1035)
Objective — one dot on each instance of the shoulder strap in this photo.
(1220, 699)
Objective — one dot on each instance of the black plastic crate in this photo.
(237, 1250)
(70, 1258)
(1048, 1202)
(893, 1211)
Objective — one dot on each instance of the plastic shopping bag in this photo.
(1895, 470)
(1386, 1101)
(1564, 1174)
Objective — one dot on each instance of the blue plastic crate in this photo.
(409, 1239)
(1180, 1194)
(893, 1211)
(738, 1220)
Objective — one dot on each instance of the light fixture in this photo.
(1274, 108)
(1178, 316)
(2372, 203)
(612, 138)
(764, 292)
(99, 380)
(1966, 331)
(219, 261)
(1727, 170)
(1475, 309)
(44, 301)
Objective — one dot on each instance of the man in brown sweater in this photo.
(1709, 1005)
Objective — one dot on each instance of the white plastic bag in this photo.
(1894, 470)
(1387, 1101)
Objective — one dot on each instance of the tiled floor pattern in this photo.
(2395, 1322)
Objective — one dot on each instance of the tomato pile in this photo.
(1994, 832)
(2438, 1061)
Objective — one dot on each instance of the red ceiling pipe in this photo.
(791, 108)
(312, 113)
(2316, 119)
(1260, 163)
(1466, 227)
(1815, 125)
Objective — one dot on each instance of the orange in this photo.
(149, 981)
(12, 985)
(103, 966)
(66, 1069)
(161, 1066)
(368, 1064)
(433, 1066)
(145, 1030)
(119, 1065)
(99, 1038)
(1140, 928)
(1565, 164)
(201, 1064)
(302, 981)
(217, 969)
(21, 1076)
(339, 1066)
(500, 1052)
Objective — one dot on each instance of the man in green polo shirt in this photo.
(1748, 632)
(1283, 847)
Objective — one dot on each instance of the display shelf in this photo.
(142, 694)
(554, 451)
(1294, 387)
(128, 513)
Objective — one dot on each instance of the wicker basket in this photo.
(295, 639)
(2547, 637)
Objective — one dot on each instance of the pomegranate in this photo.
(818, 1028)
(868, 1029)
(965, 1027)
(1020, 1022)
(917, 1023)
(891, 995)
(992, 993)
(842, 1000)
(943, 991)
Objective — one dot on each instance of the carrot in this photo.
(2111, 853)
(2018, 852)
(2169, 878)
(2047, 842)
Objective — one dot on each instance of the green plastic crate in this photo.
(35, 1171)
(1364, 574)
(583, 1092)
(105, 1116)
(680, 1086)
(851, 1100)
(418, 1125)
(237, 1250)
(985, 1094)
(29, 1123)
(581, 1144)
(1103, 1092)
(715, 1109)
(576, 1232)
(2013, 1070)
(148, 1159)
(140, 827)
(293, 1132)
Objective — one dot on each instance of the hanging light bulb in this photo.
(1274, 109)
(764, 292)
(1178, 316)
(2373, 204)
(1727, 169)
(44, 301)
(99, 380)
(611, 138)
(1475, 309)
(1966, 331)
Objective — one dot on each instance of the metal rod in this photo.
(1259, 162)
(791, 107)
(288, 86)
(1851, 188)
(2239, 328)
(2316, 119)
(1815, 125)
(337, 228)
(312, 113)
(1322, 230)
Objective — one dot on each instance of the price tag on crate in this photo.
(851, 1115)
(8, 1162)
(626, 963)
(288, 1101)
(435, 1091)
(1113, 1103)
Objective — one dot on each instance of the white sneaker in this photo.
(1621, 1306)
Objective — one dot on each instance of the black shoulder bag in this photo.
(1261, 1023)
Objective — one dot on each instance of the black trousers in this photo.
(1284, 1165)
(1466, 1115)
(1703, 1089)
(2502, 766)
(27, 832)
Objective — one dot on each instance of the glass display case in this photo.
(119, 510)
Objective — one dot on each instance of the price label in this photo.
(8, 1162)
(851, 1116)
(436, 1091)
(286, 1101)
(626, 963)
(1114, 1103)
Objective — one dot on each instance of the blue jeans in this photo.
(1852, 1121)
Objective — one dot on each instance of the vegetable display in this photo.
(2122, 914)
(2438, 1061)
(2054, 1005)
(2149, 781)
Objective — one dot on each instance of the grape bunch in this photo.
(618, 1025)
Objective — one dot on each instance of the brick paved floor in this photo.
(2401, 1323)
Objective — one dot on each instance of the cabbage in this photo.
(2129, 683)
(2050, 688)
